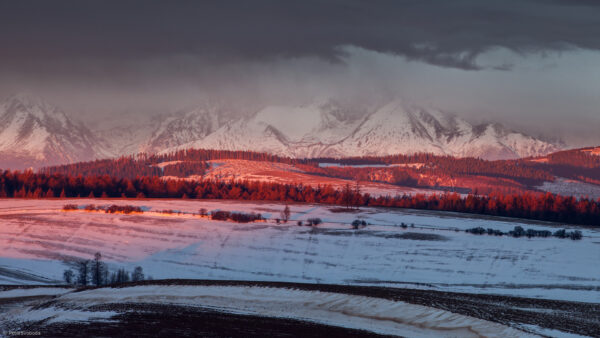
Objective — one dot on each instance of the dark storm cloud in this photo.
(35, 34)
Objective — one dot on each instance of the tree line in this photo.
(547, 207)
(95, 272)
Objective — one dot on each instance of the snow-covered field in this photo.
(567, 187)
(38, 240)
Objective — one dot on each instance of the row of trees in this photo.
(95, 272)
(519, 231)
(528, 205)
(183, 163)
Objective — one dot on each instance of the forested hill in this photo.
(578, 164)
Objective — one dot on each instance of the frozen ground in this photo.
(38, 241)
(371, 314)
(192, 308)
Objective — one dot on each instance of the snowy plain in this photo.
(40, 240)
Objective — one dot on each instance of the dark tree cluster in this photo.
(446, 165)
(109, 209)
(238, 217)
(519, 231)
(576, 157)
(185, 169)
(95, 272)
(182, 163)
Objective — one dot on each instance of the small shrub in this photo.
(562, 233)
(518, 231)
(575, 235)
(70, 207)
(476, 231)
(299, 223)
(126, 209)
(220, 215)
(245, 218)
(314, 221)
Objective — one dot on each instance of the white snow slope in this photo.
(321, 130)
(35, 133)
(36, 238)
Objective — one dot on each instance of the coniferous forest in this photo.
(539, 206)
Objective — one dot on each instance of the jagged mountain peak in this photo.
(26, 104)
(36, 133)
(31, 128)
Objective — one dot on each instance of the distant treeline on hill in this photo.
(538, 206)
(185, 163)
(417, 170)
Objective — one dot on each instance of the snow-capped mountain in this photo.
(298, 131)
(164, 131)
(185, 126)
(322, 130)
(34, 133)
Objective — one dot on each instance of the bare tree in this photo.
(82, 276)
(357, 194)
(68, 276)
(138, 274)
(347, 195)
(285, 214)
(97, 270)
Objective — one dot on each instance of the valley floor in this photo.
(429, 262)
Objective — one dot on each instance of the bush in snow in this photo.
(126, 209)
(239, 217)
(476, 231)
(358, 223)
(314, 221)
(70, 207)
(518, 231)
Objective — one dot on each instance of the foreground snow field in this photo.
(371, 314)
(38, 241)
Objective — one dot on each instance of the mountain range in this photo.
(34, 133)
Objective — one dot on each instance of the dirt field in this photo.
(140, 319)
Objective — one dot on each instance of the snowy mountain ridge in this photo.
(317, 131)
(35, 133)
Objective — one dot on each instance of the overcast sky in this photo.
(534, 65)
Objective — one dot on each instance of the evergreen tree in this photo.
(68, 276)
(137, 274)
(83, 271)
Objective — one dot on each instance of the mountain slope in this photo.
(35, 133)
(320, 130)
(297, 131)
